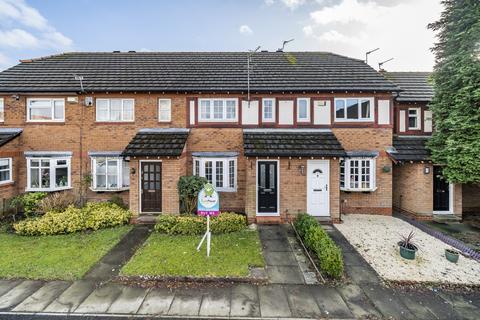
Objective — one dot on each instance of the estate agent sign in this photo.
(208, 205)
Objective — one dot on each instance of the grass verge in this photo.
(65, 257)
(168, 256)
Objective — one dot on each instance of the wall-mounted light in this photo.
(386, 169)
(16, 97)
(132, 171)
(426, 170)
(301, 169)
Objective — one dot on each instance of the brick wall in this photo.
(471, 198)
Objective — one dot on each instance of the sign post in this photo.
(208, 205)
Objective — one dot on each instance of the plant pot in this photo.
(407, 253)
(451, 255)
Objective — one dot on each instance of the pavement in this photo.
(361, 296)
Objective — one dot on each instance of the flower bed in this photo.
(226, 222)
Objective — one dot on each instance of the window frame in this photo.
(52, 109)
(226, 171)
(109, 100)
(2, 110)
(308, 106)
(418, 117)
(52, 172)
(169, 110)
(273, 118)
(10, 170)
(212, 110)
(360, 118)
(120, 174)
(345, 175)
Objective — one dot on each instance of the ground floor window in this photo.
(220, 172)
(110, 174)
(357, 174)
(5, 170)
(48, 174)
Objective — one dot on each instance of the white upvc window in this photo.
(357, 174)
(48, 174)
(115, 110)
(6, 170)
(414, 118)
(218, 110)
(110, 174)
(2, 110)
(45, 110)
(220, 172)
(354, 109)
(268, 110)
(164, 110)
(303, 110)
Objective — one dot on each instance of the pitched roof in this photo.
(294, 143)
(193, 72)
(8, 134)
(157, 143)
(415, 86)
(410, 149)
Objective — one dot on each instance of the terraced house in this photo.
(304, 132)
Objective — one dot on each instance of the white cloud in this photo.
(293, 4)
(244, 29)
(269, 2)
(4, 61)
(40, 33)
(399, 28)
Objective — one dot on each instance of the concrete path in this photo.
(109, 266)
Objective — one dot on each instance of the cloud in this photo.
(4, 61)
(290, 4)
(244, 29)
(16, 16)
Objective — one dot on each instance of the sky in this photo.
(35, 28)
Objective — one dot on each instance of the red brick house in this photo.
(311, 132)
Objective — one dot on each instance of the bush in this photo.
(118, 200)
(29, 202)
(319, 242)
(188, 189)
(93, 216)
(226, 222)
(58, 201)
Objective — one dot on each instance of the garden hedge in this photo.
(225, 222)
(93, 216)
(319, 242)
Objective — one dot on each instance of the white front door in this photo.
(318, 178)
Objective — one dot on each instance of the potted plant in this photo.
(407, 247)
(451, 255)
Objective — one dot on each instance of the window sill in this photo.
(226, 190)
(353, 120)
(47, 190)
(6, 183)
(115, 122)
(109, 190)
(358, 190)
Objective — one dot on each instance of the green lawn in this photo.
(231, 255)
(63, 257)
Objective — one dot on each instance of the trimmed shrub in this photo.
(29, 202)
(58, 201)
(188, 189)
(93, 216)
(225, 222)
(319, 242)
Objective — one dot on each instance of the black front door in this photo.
(151, 186)
(441, 191)
(267, 186)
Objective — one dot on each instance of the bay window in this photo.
(303, 109)
(357, 174)
(5, 170)
(220, 172)
(115, 110)
(268, 110)
(218, 110)
(44, 109)
(48, 174)
(110, 174)
(353, 109)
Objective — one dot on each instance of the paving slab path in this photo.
(357, 298)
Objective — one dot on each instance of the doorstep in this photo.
(145, 218)
(444, 218)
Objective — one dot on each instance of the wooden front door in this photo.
(267, 186)
(441, 191)
(151, 186)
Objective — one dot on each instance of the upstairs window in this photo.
(48, 174)
(164, 110)
(110, 174)
(268, 110)
(220, 172)
(303, 110)
(115, 110)
(218, 110)
(5, 170)
(414, 119)
(353, 109)
(45, 110)
(2, 110)
(357, 174)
